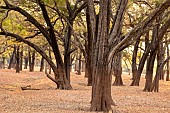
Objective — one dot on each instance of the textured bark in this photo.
(118, 69)
(134, 56)
(149, 71)
(101, 88)
(160, 59)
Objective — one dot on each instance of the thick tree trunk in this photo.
(17, 59)
(42, 65)
(101, 88)
(11, 63)
(118, 69)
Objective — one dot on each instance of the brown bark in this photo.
(11, 63)
(79, 66)
(149, 71)
(21, 58)
(89, 49)
(136, 79)
(101, 88)
(31, 60)
(167, 65)
(26, 62)
(118, 69)
(134, 56)
(160, 59)
(17, 56)
(155, 83)
(42, 65)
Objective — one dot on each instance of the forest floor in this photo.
(129, 99)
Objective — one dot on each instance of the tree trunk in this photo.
(167, 65)
(134, 56)
(79, 67)
(155, 83)
(12, 58)
(26, 62)
(118, 69)
(3, 62)
(21, 59)
(42, 65)
(101, 88)
(17, 59)
(89, 49)
(67, 46)
(160, 59)
(31, 60)
(136, 80)
(50, 58)
(149, 71)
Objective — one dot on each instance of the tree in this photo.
(101, 82)
(49, 34)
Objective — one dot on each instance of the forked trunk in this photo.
(101, 87)
(149, 72)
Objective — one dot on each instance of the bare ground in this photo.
(129, 99)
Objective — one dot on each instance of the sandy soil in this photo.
(129, 99)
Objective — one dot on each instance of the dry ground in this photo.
(49, 100)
